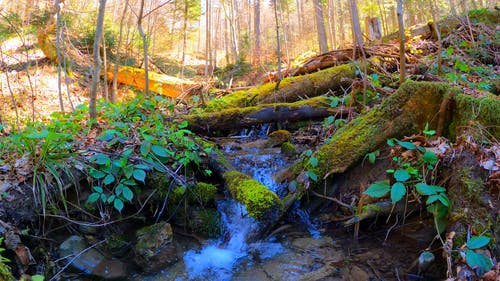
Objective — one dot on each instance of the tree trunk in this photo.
(114, 92)
(145, 48)
(402, 67)
(278, 45)
(97, 60)
(184, 37)
(237, 118)
(208, 38)
(331, 23)
(320, 23)
(256, 51)
(435, 17)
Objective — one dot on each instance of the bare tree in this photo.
(435, 16)
(358, 41)
(320, 23)
(278, 45)
(144, 47)
(402, 52)
(97, 60)
(256, 50)
(117, 60)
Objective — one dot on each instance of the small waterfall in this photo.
(223, 255)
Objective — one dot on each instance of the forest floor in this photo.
(31, 90)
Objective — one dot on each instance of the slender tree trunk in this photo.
(341, 24)
(383, 17)
(97, 60)
(358, 41)
(208, 35)
(114, 92)
(256, 54)
(145, 48)
(105, 66)
(320, 23)
(184, 37)
(58, 45)
(331, 23)
(278, 45)
(402, 70)
(435, 17)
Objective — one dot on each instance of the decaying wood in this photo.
(235, 118)
(159, 83)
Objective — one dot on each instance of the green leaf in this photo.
(398, 191)
(37, 278)
(97, 189)
(143, 167)
(478, 260)
(127, 152)
(145, 148)
(477, 242)
(378, 189)
(430, 157)
(38, 135)
(425, 189)
(313, 161)
(119, 189)
(118, 204)
(444, 199)
(111, 198)
(93, 197)
(330, 120)
(102, 159)
(96, 174)
(407, 145)
(183, 125)
(312, 175)
(139, 175)
(128, 171)
(309, 152)
(402, 175)
(431, 199)
(161, 151)
(127, 193)
(109, 179)
(390, 142)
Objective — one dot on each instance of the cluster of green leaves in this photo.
(475, 259)
(334, 102)
(413, 175)
(160, 144)
(312, 162)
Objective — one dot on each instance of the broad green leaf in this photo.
(309, 152)
(38, 135)
(312, 175)
(145, 148)
(477, 242)
(108, 179)
(407, 145)
(398, 191)
(330, 120)
(430, 157)
(127, 193)
(119, 189)
(432, 199)
(378, 189)
(37, 278)
(139, 175)
(128, 171)
(161, 151)
(97, 189)
(143, 167)
(93, 197)
(401, 175)
(183, 125)
(313, 161)
(478, 260)
(425, 189)
(96, 174)
(390, 142)
(444, 199)
(127, 152)
(440, 213)
(118, 204)
(372, 158)
(103, 197)
(111, 198)
(102, 159)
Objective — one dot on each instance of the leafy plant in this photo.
(414, 176)
(481, 262)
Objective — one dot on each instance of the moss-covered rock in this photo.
(202, 193)
(468, 110)
(155, 247)
(288, 149)
(278, 137)
(206, 222)
(261, 203)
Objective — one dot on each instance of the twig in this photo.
(331, 199)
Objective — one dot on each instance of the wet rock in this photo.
(356, 274)
(206, 222)
(278, 137)
(306, 243)
(90, 261)
(288, 149)
(155, 248)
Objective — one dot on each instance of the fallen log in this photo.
(404, 113)
(159, 83)
(237, 118)
(291, 89)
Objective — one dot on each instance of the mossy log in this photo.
(159, 83)
(235, 118)
(44, 35)
(404, 113)
(291, 89)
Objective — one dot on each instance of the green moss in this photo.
(404, 113)
(206, 222)
(288, 149)
(261, 203)
(202, 192)
(469, 110)
(485, 15)
(278, 137)
(291, 89)
(153, 237)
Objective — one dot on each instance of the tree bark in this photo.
(114, 92)
(144, 47)
(256, 51)
(402, 67)
(97, 60)
(320, 23)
